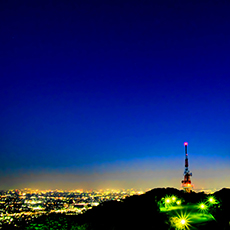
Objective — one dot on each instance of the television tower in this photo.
(186, 183)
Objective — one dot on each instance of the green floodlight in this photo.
(212, 200)
(178, 202)
(173, 198)
(202, 207)
(167, 201)
(181, 221)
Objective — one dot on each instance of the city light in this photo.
(28, 204)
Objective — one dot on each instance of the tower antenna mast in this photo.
(186, 183)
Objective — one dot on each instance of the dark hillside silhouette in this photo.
(221, 211)
(135, 212)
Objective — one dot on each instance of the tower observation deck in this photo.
(186, 183)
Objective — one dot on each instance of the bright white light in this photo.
(183, 221)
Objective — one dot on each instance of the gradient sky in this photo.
(103, 94)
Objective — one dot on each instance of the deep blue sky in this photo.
(105, 93)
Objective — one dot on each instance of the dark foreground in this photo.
(147, 211)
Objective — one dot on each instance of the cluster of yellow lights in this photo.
(187, 185)
(172, 199)
(183, 221)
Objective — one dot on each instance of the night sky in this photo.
(103, 94)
